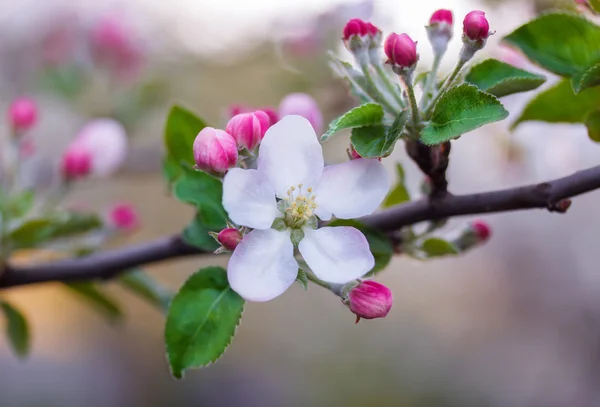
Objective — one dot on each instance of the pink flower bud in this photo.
(215, 150)
(372, 30)
(123, 216)
(76, 163)
(370, 300)
(303, 105)
(442, 16)
(22, 113)
(401, 50)
(476, 26)
(355, 27)
(353, 153)
(106, 140)
(482, 230)
(229, 238)
(272, 113)
(248, 129)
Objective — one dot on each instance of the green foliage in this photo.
(34, 232)
(141, 284)
(17, 205)
(97, 298)
(181, 130)
(359, 85)
(381, 246)
(560, 105)
(399, 193)
(595, 5)
(592, 122)
(17, 329)
(368, 114)
(501, 79)
(587, 79)
(436, 247)
(378, 141)
(564, 44)
(461, 109)
(202, 320)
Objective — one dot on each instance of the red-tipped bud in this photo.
(303, 105)
(76, 163)
(272, 113)
(401, 50)
(353, 154)
(124, 216)
(481, 229)
(355, 27)
(22, 114)
(372, 30)
(229, 238)
(442, 16)
(215, 150)
(369, 300)
(248, 129)
(475, 26)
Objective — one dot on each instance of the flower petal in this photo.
(352, 189)
(262, 266)
(336, 254)
(249, 199)
(290, 154)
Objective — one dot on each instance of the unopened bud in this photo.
(369, 300)
(229, 238)
(248, 129)
(303, 105)
(476, 233)
(476, 30)
(22, 114)
(124, 217)
(482, 230)
(401, 51)
(359, 37)
(76, 163)
(352, 153)
(215, 150)
(439, 30)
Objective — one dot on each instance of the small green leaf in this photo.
(18, 205)
(171, 169)
(17, 329)
(196, 234)
(302, 278)
(559, 104)
(587, 79)
(400, 173)
(37, 231)
(436, 247)
(181, 130)
(461, 109)
(368, 114)
(380, 245)
(592, 122)
(501, 79)
(202, 320)
(378, 141)
(562, 43)
(98, 298)
(146, 287)
(397, 195)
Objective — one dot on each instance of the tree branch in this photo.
(550, 195)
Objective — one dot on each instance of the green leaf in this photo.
(196, 234)
(461, 109)
(368, 114)
(565, 44)
(400, 173)
(592, 122)
(147, 288)
(98, 298)
(17, 329)
(181, 130)
(18, 205)
(378, 141)
(595, 5)
(586, 79)
(202, 320)
(436, 247)
(37, 231)
(559, 104)
(500, 79)
(380, 245)
(396, 196)
(302, 278)
(171, 169)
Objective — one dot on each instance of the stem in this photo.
(437, 59)
(445, 86)
(388, 84)
(412, 101)
(378, 95)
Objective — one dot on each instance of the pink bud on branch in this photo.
(124, 217)
(475, 26)
(439, 30)
(369, 300)
(248, 129)
(355, 28)
(22, 114)
(442, 16)
(401, 51)
(481, 229)
(229, 238)
(76, 163)
(215, 150)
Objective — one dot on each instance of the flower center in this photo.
(299, 206)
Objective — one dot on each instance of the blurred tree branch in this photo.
(552, 195)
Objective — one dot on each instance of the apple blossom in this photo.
(291, 169)
(369, 300)
(248, 129)
(401, 50)
(106, 141)
(215, 150)
(475, 26)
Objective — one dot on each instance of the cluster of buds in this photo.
(362, 39)
(215, 150)
(367, 299)
(475, 234)
(439, 30)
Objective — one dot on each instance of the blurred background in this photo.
(514, 323)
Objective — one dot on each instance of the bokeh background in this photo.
(514, 323)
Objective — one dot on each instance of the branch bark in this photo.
(550, 195)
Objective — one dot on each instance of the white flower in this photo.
(106, 141)
(291, 168)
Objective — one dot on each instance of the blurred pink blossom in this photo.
(303, 105)
(123, 216)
